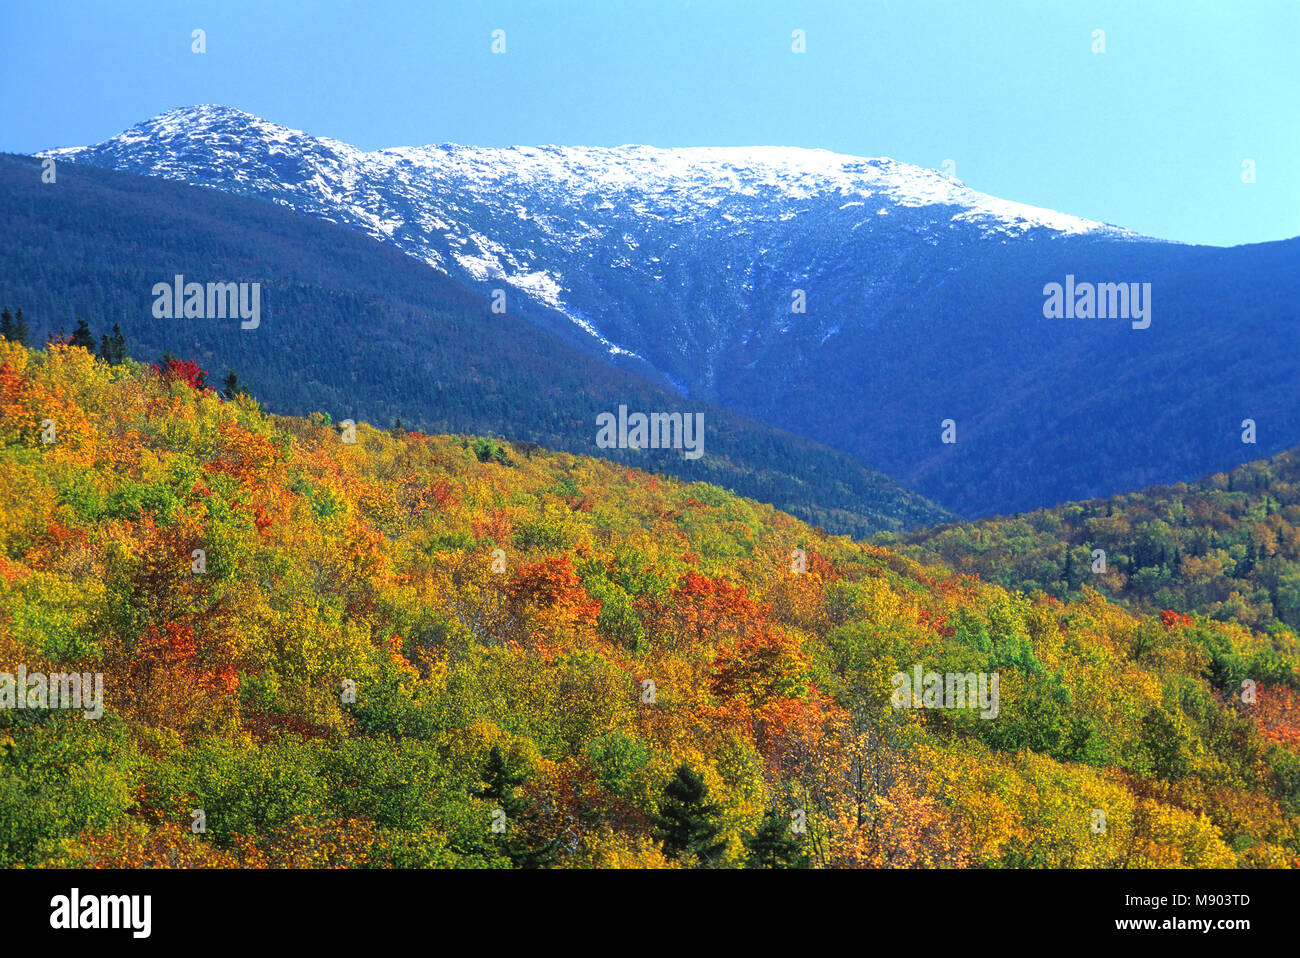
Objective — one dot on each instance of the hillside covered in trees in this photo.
(313, 653)
(359, 330)
(1227, 547)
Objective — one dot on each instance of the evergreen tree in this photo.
(687, 820)
(6, 324)
(105, 349)
(230, 386)
(1247, 565)
(120, 353)
(20, 328)
(772, 845)
(82, 336)
(499, 784)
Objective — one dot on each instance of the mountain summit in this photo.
(861, 302)
(534, 218)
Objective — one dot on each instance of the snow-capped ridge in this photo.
(793, 172)
(598, 234)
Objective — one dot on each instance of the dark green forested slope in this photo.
(361, 331)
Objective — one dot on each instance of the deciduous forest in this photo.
(325, 644)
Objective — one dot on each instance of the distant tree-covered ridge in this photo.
(1227, 547)
(328, 644)
(359, 330)
(758, 280)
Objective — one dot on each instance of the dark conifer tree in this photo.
(6, 324)
(772, 845)
(20, 328)
(499, 784)
(687, 820)
(82, 336)
(230, 386)
(120, 353)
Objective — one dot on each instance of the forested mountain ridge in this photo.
(859, 301)
(308, 636)
(359, 330)
(1227, 546)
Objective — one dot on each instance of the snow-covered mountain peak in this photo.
(791, 173)
(662, 256)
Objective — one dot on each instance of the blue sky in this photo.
(1150, 135)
